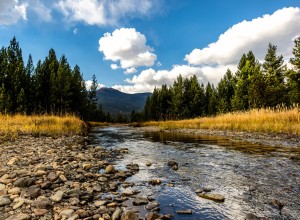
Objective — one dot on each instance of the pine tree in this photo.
(79, 99)
(225, 92)
(177, 98)
(29, 88)
(249, 67)
(60, 84)
(294, 75)
(274, 71)
(15, 77)
(211, 100)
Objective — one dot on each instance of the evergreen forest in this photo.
(54, 87)
(51, 87)
(254, 85)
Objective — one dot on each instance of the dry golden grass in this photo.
(282, 120)
(95, 123)
(13, 125)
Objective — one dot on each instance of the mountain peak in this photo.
(115, 101)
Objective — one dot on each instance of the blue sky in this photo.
(135, 45)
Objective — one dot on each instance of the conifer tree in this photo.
(274, 72)
(294, 75)
(225, 92)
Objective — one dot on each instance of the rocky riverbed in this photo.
(65, 178)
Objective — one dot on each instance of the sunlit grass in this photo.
(13, 125)
(95, 123)
(281, 120)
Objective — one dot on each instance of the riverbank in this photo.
(12, 126)
(270, 139)
(58, 178)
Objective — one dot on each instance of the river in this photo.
(250, 177)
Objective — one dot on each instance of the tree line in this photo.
(253, 85)
(52, 87)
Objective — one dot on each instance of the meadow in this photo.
(11, 126)
(280, 120)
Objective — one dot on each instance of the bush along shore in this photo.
(58, 178)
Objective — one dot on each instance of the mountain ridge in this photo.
(115, 101)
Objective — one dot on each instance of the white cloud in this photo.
(114, 66)
(104, 12)
(11, 11)
(88, 85)
(41, 10)
(127, 46)
(148, 79)
(210, 63)
(130, 71)
(278, 28)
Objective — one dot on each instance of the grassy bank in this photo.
(12, 126)
(281, 120)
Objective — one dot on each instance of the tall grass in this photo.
(13, 125)
(280, 120)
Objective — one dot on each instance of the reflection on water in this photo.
(249, 176)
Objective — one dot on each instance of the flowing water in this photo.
(250, 177)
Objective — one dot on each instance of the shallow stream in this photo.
(250, 177)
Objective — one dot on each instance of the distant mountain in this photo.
(114, 101)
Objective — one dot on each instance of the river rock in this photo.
(52, 176)
(129, 215)
(4, 200)
(117, 214)
(133, 167)
(40, 172)
(87, 166)
(154, 182)
(34, 192)
(173, 165)
(213, 197)
(58, 196)
(153, 216)
(102, 179)
(187, 211)
(20, 216)
(40, 212)
(2, 186)
(151, 206)
(24, 182)
(100, 203)
(46, 185)
(207, 189)
(110, 169)
(63, 178)
(140, 201)
(66, 213)
(14, 191)
(18, 204)
(97, 188)
(42, 203)
(149, 164)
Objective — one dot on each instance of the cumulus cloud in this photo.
(127, 46)
(114, 66)
(11, 11)
(148, 79)
(130, 71)
(278, 28)
(41, 8)
(104, 12)
(88, 85)
(210, 63)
